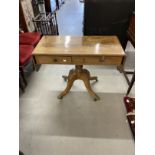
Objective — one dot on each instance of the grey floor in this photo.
(75, 125)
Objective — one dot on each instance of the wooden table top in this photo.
(75, 45)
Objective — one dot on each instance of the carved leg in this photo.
(69, 85)
(82, 74)
(91, 92)
(71, 78)
(85, 76)
(70, 72)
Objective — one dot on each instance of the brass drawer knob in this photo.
(64, 60)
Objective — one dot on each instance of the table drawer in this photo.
(77, 60)
(41, 59)
(106, 60)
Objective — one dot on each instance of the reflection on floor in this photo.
(70, 18)
(75, 125)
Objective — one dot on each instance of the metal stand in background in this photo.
(46, 25)
(44, 22)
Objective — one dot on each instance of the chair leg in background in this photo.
(35, 65)
(131, 84)
(21, 87)
(22, 75)
(21, 84)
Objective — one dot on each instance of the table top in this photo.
(76, 45)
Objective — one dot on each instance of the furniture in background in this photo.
(25, 53)
(46, 25)
(108, 17)
(27, 42)
(25, 16)
(29, 38)
(131, 30)
(35, 7)
(50, 5)
(86, 50)
(131, 38)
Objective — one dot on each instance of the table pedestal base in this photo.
(82, 74)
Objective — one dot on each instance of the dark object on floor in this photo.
(130, 108)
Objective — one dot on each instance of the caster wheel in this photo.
(95, 99)
(60, 97)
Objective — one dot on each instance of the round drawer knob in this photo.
(64, 60)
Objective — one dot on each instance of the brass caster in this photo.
(96, 98)
(65, 78)
(60, 97)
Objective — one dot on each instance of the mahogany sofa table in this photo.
(85, 50)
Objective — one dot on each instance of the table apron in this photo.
(78, 60)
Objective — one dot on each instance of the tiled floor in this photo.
(75, 125)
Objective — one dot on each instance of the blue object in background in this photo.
(53, 5)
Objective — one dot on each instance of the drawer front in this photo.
(105, 60)
(113, 60)
(79, 60)
(41, 59)
(65, 60)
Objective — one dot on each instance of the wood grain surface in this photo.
(79, 46)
